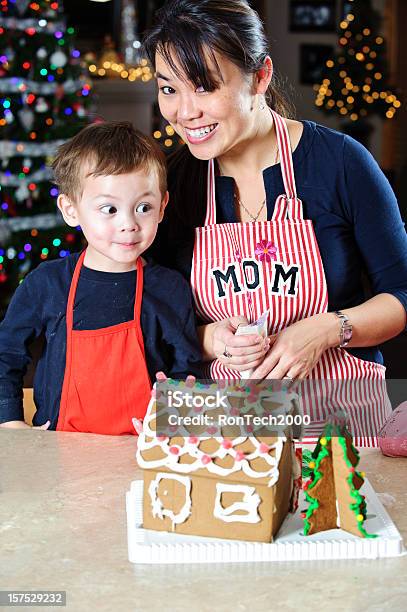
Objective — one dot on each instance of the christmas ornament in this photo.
(42, 53)
(22, 192)
(9, 117)
(41, 105)
(58, 59)
(26, 117)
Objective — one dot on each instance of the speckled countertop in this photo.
(63, 527)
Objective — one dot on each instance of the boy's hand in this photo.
(23, 425)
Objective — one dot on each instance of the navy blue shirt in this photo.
(102, 299)
(355, 214)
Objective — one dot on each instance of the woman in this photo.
(272, 214)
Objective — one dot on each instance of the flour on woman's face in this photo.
(211, 123)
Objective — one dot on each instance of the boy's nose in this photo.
(129, 225)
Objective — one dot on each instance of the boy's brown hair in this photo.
(112, 147)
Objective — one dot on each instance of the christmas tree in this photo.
(332, 490)
(44, 94)
(355, 85)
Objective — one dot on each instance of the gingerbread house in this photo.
(216, 481)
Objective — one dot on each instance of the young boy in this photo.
(111, 320)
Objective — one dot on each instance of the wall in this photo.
(285, 50)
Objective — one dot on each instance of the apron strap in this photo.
(137, 303)
(210, 218)
(72, 293)
(139, 289)
(287, 205)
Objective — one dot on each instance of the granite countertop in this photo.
(63, 527)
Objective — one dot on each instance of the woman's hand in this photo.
(246, 352)
(297, 348)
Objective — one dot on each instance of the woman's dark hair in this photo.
(192, 31)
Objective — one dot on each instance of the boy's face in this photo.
(119, 216)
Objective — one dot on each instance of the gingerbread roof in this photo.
(218, 453)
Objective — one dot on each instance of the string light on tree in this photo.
(43, 99)
(355, 82)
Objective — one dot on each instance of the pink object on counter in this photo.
(393, 435)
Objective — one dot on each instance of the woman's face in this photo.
(211, 123)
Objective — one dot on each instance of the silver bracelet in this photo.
(345, 333)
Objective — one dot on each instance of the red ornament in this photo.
(174, 450)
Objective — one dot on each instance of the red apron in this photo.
(106, 381)
(250, 268)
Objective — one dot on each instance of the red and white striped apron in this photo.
(248, 268)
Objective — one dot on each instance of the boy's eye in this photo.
(143, 207)
(167, 90)
(108, 209)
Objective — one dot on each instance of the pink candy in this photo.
(161, 438)
(393, 435)
(193, 440)
(174, 450)
(263, 448)
(239, 456)
(226, 443)
(212, 430)
(206, 459)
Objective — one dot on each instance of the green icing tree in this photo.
(316, 470)
(44, 94)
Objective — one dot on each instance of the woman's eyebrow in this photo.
(158, 75)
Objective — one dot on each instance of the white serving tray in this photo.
(147, 546)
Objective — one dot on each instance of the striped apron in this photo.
(246, 269)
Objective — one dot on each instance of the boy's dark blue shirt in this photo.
(102, 299)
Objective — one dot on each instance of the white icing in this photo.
(157, 507)
(148, 440)
(249, 504)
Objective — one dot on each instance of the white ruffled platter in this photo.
(147, 546)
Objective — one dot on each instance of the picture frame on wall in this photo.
(346, 8)
(312, 16)
(312, 62)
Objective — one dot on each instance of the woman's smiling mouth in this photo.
(201, 134)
